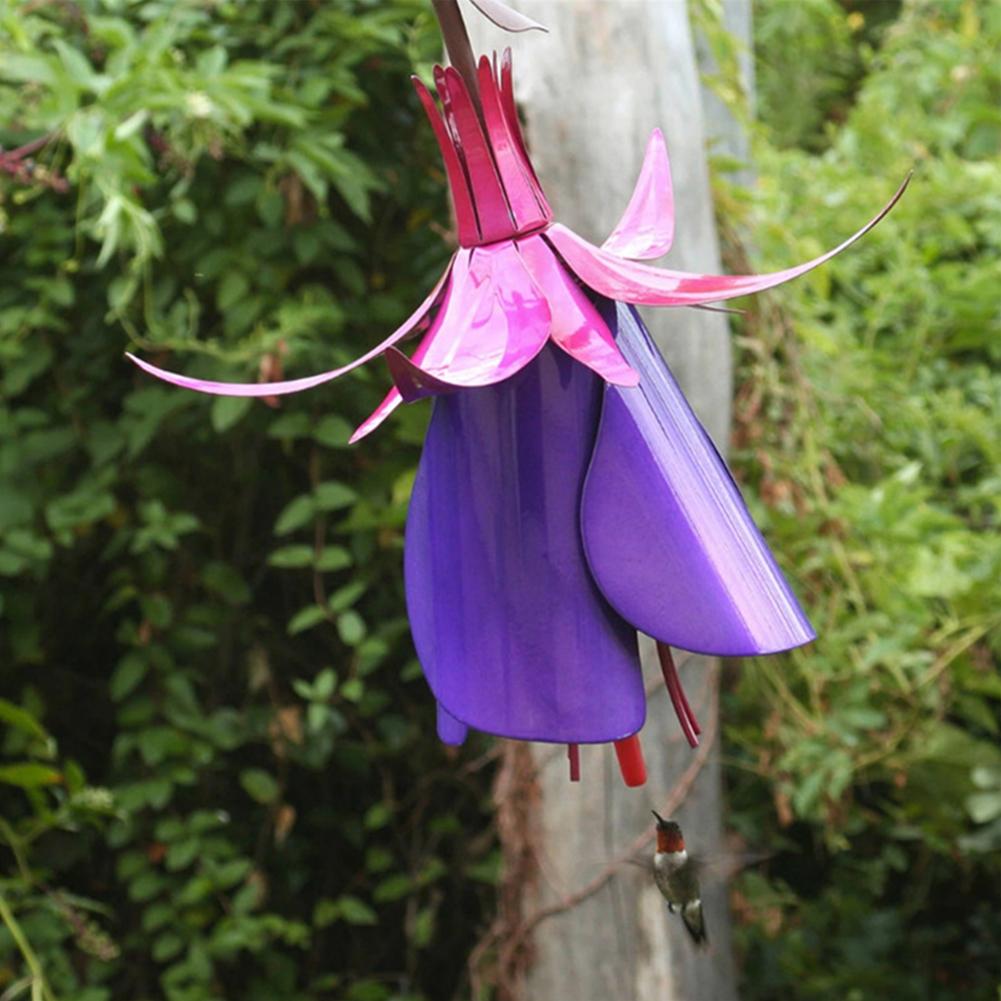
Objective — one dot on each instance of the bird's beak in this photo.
(660, 819)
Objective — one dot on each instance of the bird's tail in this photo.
(691, 914)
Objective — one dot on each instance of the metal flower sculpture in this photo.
(567, 497)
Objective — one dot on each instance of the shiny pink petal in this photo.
(529, 211)
(458, 185)
(493, 323)
(488, 195)
(460, 277)
(506, 18)
(459, 261)
(646, 229)
(514, 124)
(389, 404)
(576, 326)
(628, 281)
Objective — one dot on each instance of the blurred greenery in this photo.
(868, 427)
(217, 773)
(218, 770)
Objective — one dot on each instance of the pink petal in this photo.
(459, 260)
(493, 323)
(514, 124)
(627, 281)
(374, 419)
(529, 211)
(646, 229)
(488, 195)
(577, 327)
(458, 186)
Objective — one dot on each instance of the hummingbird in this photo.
(677, 878)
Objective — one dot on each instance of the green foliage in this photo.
(239, 805)
(811, 56)
(868, 428)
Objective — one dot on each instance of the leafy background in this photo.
(218, 775)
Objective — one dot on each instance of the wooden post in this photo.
(591, 91)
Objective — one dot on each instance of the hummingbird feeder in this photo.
(567, 497)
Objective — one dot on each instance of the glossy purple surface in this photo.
(668, 537)
(450, 730)
(513, 635)
(646, 229)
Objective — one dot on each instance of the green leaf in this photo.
(343, 598)
(324, 685)
(289, 426)
(377, 816)
(306, 618)
(224, 580)
(182, 853)
(297, 513)
(333, 496)
(233, 287)
(393, 888)
(16, 716)
(333, 558)
(259, 785)
(423, 927)
(356, 912)
(29, 775)
(228, 411)
(289, 557)
(351, 627)
(333, 432)
(131, 670)
(984, 806)
(326, 912)
(167, 946)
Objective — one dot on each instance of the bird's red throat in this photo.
(668, 841)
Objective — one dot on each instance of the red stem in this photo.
(573, 753)
(689, 724)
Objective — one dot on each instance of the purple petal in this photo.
(493, 323)
(308, 382)
(450, 730)
(628, 281)
(668, 538)
(576, 327)
(514, 637)
(646, 229)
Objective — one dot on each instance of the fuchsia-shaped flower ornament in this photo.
(567, 497)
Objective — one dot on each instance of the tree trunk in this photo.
(591, 92)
